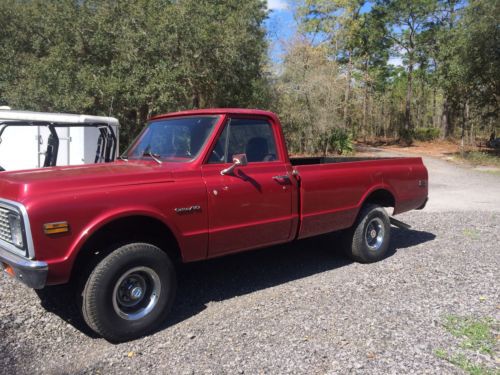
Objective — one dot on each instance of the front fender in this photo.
(60, 269)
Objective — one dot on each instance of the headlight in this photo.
(16, 229)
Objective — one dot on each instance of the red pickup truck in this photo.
(194, 185)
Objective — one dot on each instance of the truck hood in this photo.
(17, 185)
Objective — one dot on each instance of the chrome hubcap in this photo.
(136, 293)
(374, 235)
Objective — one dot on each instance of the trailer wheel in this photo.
(368, 239)
(129, 293)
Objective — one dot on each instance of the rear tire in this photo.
(368, 239)
(129, 293)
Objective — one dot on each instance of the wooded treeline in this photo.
(131, 59)
(339, 79)
(336, 82)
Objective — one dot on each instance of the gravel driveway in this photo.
(301, 308)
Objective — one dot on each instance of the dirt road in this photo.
(455, 187)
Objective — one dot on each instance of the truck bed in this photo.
(332, 190)
(310, 160)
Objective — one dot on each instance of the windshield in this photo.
(173, 139)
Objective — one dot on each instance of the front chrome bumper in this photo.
(33, 273)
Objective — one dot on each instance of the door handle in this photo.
(284, 179)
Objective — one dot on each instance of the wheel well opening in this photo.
(381, 197)
(122, 231)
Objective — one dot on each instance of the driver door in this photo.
(252, 206)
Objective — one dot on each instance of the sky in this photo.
(281, 27)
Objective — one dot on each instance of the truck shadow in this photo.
(228, 277)
(232, 276)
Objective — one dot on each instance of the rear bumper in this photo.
(30, 272)
(423, 204)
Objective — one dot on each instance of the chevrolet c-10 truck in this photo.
(194, 185)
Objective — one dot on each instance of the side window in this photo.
(252, 137)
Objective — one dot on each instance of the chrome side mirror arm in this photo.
(239, 160)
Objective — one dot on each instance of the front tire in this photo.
(130, 292)
(368, 240)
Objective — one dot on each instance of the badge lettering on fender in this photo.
(187, 210)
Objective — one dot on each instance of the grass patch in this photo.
(494, 172)
(460, 360)
(477, 335)
(471, 233)
(481, 158)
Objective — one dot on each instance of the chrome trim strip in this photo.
(30, 249)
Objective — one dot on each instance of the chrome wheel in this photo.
(136, 293)
(374, 234)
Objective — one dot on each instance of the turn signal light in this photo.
(8, 269)
(56, 228)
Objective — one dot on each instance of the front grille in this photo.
(5, 232)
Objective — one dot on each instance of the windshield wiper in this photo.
(123, 157)
(155, 157)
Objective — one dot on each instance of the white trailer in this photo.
(25, 138)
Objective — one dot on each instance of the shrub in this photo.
(340, 140)
(426, 134)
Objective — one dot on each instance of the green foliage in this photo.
(406, 136)
(477, 335)
(475, 66)
(449, 78)
(340, 141)
(307, 98)
(131, 59)
(461, 361)
(420, 134)
(134, 59)
(426, 134)
(481, 158)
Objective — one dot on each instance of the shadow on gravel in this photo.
(228, 277)
(236, 275)
(60, 300)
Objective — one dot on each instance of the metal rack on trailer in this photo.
(106, 143)
(106, 137)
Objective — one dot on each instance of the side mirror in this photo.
(239, 160)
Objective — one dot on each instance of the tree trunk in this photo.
(347, 93)
(464, 125)
(434, 108)
(445, 118)
(384, 123)
(467, 122)
(365, 102)
(408, 124)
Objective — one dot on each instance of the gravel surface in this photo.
(300, 308)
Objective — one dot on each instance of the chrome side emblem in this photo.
(187, 210)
